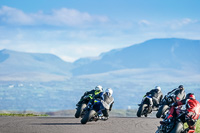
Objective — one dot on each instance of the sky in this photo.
(73, 29)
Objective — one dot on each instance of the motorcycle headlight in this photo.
(169, 100)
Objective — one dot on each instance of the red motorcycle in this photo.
(175, 124)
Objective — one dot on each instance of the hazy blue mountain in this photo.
(14, 63)
(181, 54)
(130, 72)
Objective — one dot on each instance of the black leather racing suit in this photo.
(156, 96)
(180, 93)
(86, 93)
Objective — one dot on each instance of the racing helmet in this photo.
(180, 87)
(158, 87)
(190, 96)
(109, 92)
(99, 88)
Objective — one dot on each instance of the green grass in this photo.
(197, 126)
(21, 115)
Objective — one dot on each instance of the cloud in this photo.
(66, 16)
(12, 15)
(144, 22)
(59, 17)
(176, 24)
(4, 42)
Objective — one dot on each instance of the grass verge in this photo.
(21, 115)
(197, 126)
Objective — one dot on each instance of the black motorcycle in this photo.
(145, 107)
(164, 105)
(176, 124)
(82, 105)
(93, 112)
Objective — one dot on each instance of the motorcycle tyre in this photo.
(179, 128)
(161, 110)
(141, 109)
(80, 110)
(87, 116)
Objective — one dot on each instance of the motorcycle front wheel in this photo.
(87, 117)
(141, 109)
(162, 110)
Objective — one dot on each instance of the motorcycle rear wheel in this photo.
(179, 128)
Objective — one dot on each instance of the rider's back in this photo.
(180, 93)
(107, 101)
(193, 106)
(155, 93)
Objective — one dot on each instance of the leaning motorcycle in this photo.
(83, 104)
(93, 112)
(164, 105)
(145, 107)
(176, 125)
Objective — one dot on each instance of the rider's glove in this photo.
(173, 104)
(89, 105)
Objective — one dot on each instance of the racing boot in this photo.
(104, 118)
(100, 116)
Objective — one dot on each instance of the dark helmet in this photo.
(190, 96)
(180, 87)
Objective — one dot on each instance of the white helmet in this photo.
(109, 91)
(100, 88)
(158, 87)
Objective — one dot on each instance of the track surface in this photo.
(72, 125)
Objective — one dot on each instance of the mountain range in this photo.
(32, 66)
(44, 82)
(173, 53)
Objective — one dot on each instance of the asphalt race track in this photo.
(73, 125)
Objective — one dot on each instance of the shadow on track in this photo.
(70, 124)
(55, 118)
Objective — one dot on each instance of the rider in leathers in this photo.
(98, 89)
(106, 102)
(193, 110)
(156, 95)
(179, 92)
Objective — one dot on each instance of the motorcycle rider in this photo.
(107, 102)
(156, 95)
(98, 89)
(192, 113)
(179, 92)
